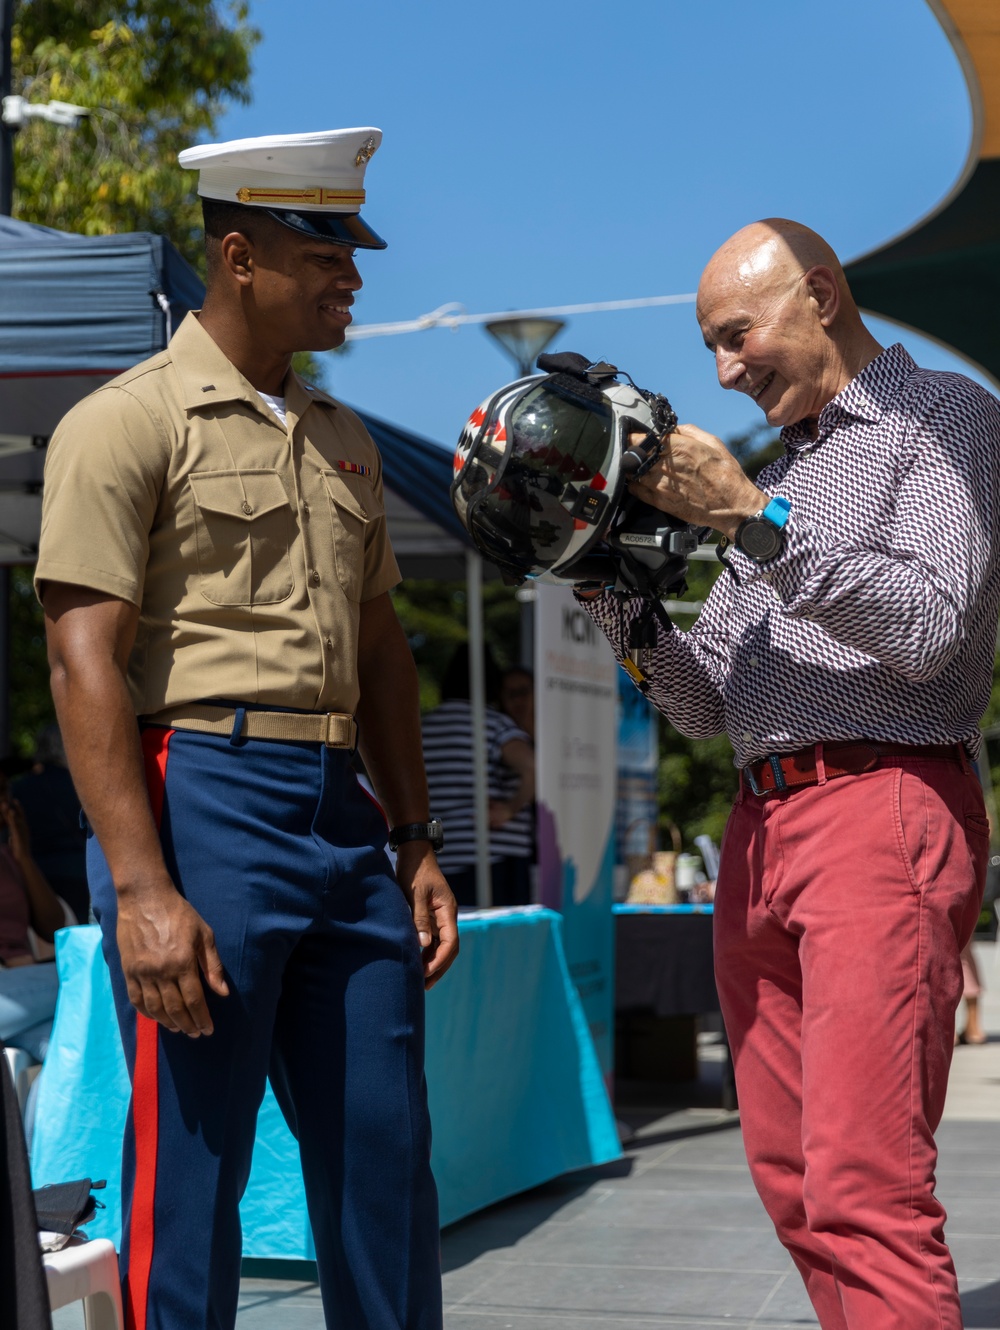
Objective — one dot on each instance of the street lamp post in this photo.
(524, 339)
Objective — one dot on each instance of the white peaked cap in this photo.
(313, 183)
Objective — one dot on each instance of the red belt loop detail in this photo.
(820, 765)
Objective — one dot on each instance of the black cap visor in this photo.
(339, 228)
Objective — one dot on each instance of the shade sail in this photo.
(77, 310)
(942, 278)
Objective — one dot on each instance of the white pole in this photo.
(477, 697)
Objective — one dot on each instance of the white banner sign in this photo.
(575, 737)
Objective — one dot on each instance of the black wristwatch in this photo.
(431, 831)
(762, 536)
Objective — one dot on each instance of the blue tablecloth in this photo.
(516, 1094)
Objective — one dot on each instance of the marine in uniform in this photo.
(215, 570)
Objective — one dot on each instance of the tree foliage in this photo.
(156, 75)
(433, 615)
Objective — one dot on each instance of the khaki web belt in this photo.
(335, 729)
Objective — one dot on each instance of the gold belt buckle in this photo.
(338, 730)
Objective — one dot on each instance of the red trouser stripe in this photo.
(145, 1089)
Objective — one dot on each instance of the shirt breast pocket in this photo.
(353, 508)
(243, 522)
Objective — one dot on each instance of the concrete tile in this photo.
(667, 1248)
(651, 1208)
(514, 1320)
(465, 1281)
(713, 1151)
(965, 1183)
(790, 1303)
(976, 1257)
(961, 1140)
(265, 1303)
(673, 1177)
(980, 1304)
(616, 1292)
(973, 1214)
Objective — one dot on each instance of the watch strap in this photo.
(777, 511)
(431, 831)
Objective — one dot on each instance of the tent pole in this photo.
(477, 698)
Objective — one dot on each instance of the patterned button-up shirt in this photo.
(878, 619)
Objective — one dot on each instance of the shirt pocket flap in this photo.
(244, 494)
(353, 493)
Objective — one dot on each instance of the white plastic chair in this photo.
(87, 1270)
(20, 1063)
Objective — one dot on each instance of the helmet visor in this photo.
(560, 440)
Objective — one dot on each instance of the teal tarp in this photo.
(515, 1089)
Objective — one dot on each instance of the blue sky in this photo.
(552, 153)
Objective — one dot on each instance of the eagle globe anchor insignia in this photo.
(541, 474)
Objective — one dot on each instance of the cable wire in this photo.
(453, 315)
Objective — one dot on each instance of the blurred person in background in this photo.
(517, 698)
(52, 811)
(28, 905)
(510, 764)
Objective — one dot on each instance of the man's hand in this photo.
(164, 943)
(435, 914)
(699, 480)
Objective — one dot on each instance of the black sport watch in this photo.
(431, 831)
(762, 536)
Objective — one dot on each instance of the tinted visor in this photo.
(559, 442)
(341, 228)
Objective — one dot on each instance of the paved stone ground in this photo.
(673, 1236)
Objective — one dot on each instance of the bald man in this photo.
(847, 651)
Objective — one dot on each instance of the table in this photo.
(664, 978)
(663, 959)
(516, 1093)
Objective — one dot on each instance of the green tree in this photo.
(433, 615)
(156, 75)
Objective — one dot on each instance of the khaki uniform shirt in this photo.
(248, 547)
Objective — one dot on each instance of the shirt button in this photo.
(247, 508)
(305, 510)
(363, 513)
(314, 577)
(754, 662)
(747, 736)
(329, 643)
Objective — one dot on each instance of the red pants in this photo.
(840, 913)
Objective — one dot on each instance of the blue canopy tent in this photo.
(77, 310)
(74, 312)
